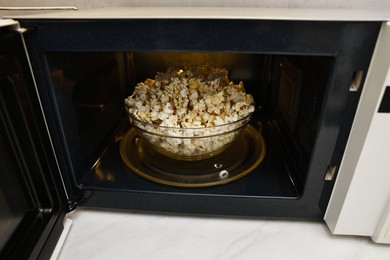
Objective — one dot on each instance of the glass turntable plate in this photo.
(241, 158)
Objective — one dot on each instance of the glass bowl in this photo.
(189, 143)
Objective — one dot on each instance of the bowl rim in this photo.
(247, 118)
(190, 128)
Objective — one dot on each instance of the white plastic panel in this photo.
(362, 189)
(369, 191)
(382, 233)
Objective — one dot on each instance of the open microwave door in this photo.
(360, 202)
(32, 198)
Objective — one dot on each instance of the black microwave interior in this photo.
(90, 89)
(298, 72)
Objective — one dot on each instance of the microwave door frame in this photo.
(73, 38)
(37, 212)
(360, 202)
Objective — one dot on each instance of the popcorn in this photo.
(192, 102)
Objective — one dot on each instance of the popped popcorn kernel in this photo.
(200, 90)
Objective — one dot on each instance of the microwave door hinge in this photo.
(72, 205)
(12, 25)
(20, 29)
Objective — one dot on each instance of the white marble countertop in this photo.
(126, 235)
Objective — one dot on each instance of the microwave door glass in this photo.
(31, 196)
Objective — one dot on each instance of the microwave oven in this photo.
(316, 147)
